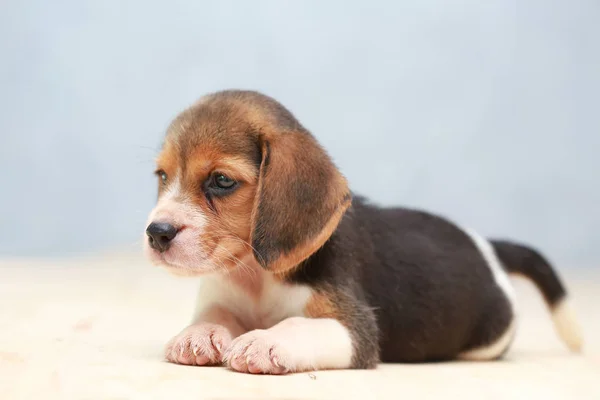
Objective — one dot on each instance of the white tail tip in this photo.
(566, 325)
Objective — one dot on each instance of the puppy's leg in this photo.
(205, 341)
(341, 334)
(295, 344)
(494, 332)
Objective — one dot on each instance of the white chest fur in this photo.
(257, 299)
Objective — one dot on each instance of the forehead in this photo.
(210, 131)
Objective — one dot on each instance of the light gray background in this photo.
(485, 111)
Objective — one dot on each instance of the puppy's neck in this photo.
(258, 298)
(248, 277)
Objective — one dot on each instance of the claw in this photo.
(195, 351)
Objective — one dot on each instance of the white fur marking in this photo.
(498, 272)
(566, 325)
(275, 301)
(493, 350)
(500, 276)
(185, 256)
(295, 344)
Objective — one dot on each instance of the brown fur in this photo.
(408, 286)
(166, 162)
(320, 306)
(285, 263)
(290, 198)
(300, 200)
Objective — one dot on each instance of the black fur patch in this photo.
(418, 276)
(531, 264)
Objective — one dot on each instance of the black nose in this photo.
(160, 235)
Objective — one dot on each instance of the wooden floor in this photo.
(94, 329)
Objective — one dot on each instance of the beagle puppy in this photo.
(299, 274)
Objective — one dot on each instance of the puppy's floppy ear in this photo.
(300, 200)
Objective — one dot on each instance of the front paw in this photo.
(261, 352)
(201, 344)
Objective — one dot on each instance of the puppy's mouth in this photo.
(180, 254)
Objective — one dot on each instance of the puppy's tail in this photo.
(521, 260)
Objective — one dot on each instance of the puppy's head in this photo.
(239, 178)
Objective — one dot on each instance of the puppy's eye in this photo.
(219, 185)
(162, 175)
(224, 182)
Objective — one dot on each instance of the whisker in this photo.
(239, 263)
(245, 243)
